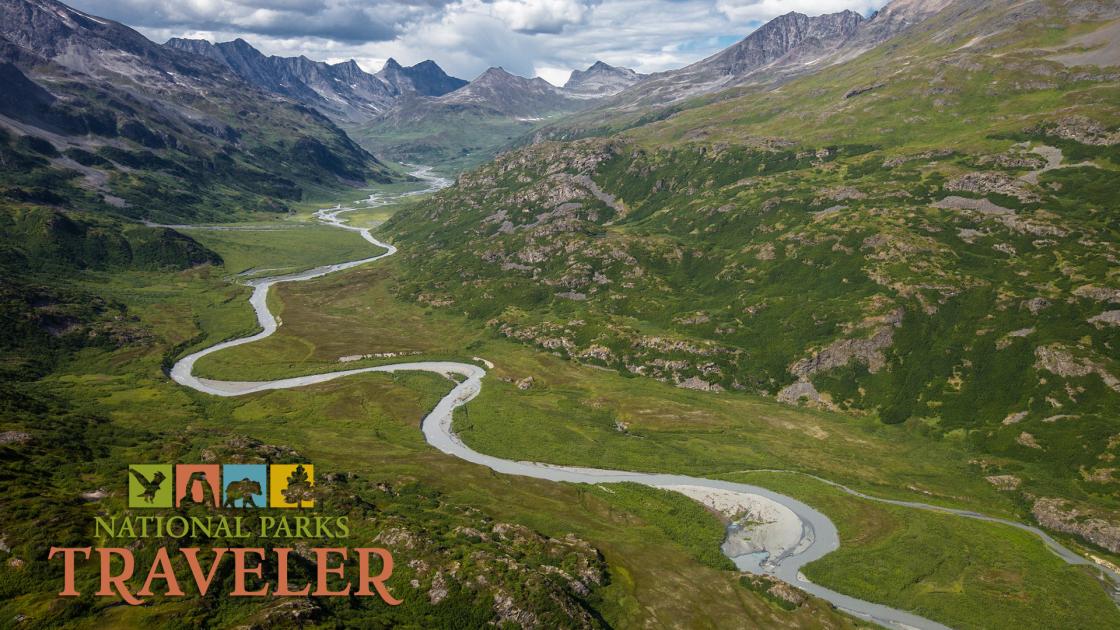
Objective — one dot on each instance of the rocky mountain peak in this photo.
(507, 94)
(72, 38)
(424, 79)
(495, 73)
(349, 65)
(783, 35)
(600, 79)
(783, 47)
(899, 15)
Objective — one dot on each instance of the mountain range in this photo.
(417, 113)
(470, 124)
(349, 94)
(342, 90)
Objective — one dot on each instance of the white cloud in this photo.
(540, 16)
(555, 76)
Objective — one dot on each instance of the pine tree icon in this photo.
(299, 487)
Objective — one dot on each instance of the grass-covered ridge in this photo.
(938, 252)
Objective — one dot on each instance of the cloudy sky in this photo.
(546, 38)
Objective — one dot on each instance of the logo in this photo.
(234, 489)
(282, 486)
(198, 484)
(292, 486)
(149, 486)
(246, 485)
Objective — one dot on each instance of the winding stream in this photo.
(816, 538)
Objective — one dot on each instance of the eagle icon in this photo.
(150, 487)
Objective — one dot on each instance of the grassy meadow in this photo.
(366, 429)
(963, 573)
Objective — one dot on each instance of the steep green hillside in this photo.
(928, 233)
(93, 109)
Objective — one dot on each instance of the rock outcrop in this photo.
(1059, 515)
(1058, 360)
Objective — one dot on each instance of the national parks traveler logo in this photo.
(287, 486)
(269, 538)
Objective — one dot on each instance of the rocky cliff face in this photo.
(788, 39)
(87, 44)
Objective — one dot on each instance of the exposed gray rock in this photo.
(1006, 340)
(95, 495)
(869, 351)
(985, 183)
(1006, 483)
(1014, 160)
(841, 193)
(983, 206)
(600, 80)
(788, 45)
(699, 384)
(1058, 515)
(1083, 130)
(15, 437)
(1058, 360)
(925, 155)
(1100, 294)
(438, 590)
(792, 394)
(508, 613)
(342, 90)
(1107, 318)
(1028, 440)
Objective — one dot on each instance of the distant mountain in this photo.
(787, 47)
(600, 80)
(119, 121)
(466, 126)
(342, 90)
(508, 94)
(790, 43)
(424, 79)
